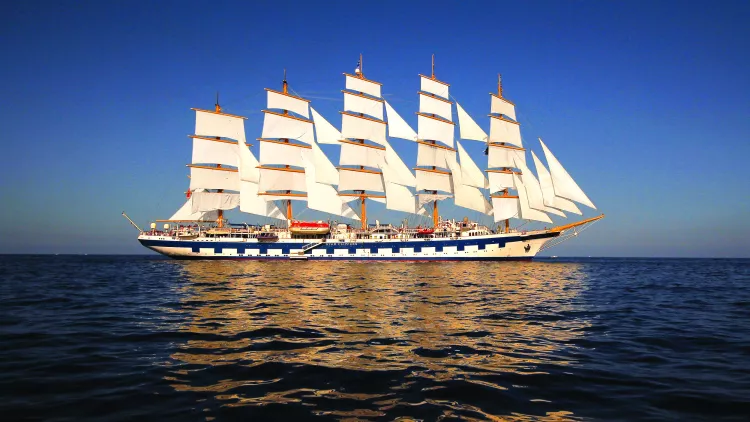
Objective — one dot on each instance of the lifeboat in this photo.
(267, 237)
(426, 231)
(309, 227)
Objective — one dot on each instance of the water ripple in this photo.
(134, 337)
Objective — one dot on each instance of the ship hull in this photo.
(496, 247)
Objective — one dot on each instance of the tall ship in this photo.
(293, 175)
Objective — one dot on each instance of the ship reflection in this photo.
(382, 335)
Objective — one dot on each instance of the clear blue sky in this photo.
(646, 103)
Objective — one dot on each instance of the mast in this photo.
(215, 165)
(278, 178)
(505, 191)
(285, 90)
(500, 154)
(221, 165)
(362, 120)
(363, 202)
(220, 217)
(435, 215)
(434, 124)
(506, 152)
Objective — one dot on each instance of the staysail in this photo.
(548, 190)
(564, 185)
(468, 128)
(321, 175)
(186, 213)
(534, 191)
(397, 126)
(468, 179)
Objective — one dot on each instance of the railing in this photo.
(446, 230)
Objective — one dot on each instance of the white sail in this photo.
(566, 205)
(471, 198)
(361, 104)
(434, 129)
(354, 179)
(213, 151)
(251, 203)
(210, 201)
(355, 127)
(534, 191)
(528, 213)
(324, 198)
(506, 207)
(214, 178)
(398, 197)
(325, 132)
(433, 86)
(353, 154)
(283, 153)
(500, 180)
(548, 190)
(185, 213)
(366, 86)
(502, 106)
(468, 128)
(464, 195)
(397, 126)
(564, 185)
(433, 155)
(280, 126)
(424, 198)
(321, 196)
(435, 105)
(248, 164)
(434, 180)
(503, 155)
(399, 172)
(471, 175)
(209, 123)
(348, 212)
(279, 179)
(325, 171)
(505, 131)
(282, 101)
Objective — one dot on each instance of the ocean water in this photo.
(126, 338)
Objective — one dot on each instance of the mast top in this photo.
(358, 71)
(499, 86)
(218, 107)
(284, 84)
(433, 66)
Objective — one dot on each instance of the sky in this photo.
(645, 103)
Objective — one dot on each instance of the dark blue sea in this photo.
(147, 338)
